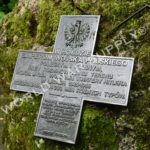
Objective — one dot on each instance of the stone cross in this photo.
(69, 76)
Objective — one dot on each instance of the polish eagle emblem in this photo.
(76, 34)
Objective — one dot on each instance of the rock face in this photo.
(31, 5)
(33, 24)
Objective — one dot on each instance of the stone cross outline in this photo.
(103, 79)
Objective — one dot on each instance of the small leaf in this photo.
(11, 4)
(2, 14)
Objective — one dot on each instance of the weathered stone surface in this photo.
(102, 126)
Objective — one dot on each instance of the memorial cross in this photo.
(71, 74)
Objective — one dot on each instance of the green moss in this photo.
(50, 13)
(140, 119)
(98, 130)
(20, 26)
(20, 125)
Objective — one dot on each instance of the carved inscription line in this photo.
(101, 60)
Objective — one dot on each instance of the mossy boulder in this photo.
(33, 24)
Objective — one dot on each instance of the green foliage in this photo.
(1, 14)
(6, 6)
(11, 4)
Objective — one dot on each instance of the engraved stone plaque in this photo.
(70, 75)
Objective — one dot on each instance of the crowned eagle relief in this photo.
(76, 34)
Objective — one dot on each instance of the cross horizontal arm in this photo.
(96, 78)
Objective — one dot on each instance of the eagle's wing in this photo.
(69, 33)
(84, 32)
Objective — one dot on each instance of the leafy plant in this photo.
(11, 4)
(6, 6)
(2, 14)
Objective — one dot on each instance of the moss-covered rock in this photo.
(102, 127)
